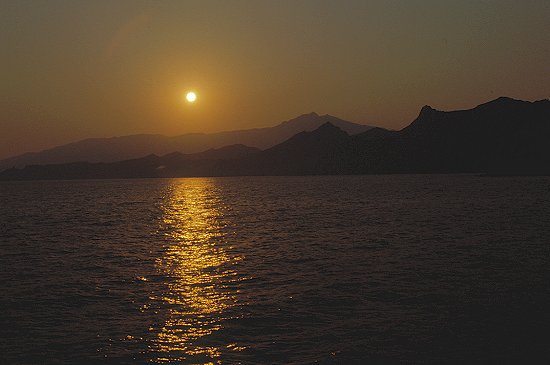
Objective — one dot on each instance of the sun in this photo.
(191, 97)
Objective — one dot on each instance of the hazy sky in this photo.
(75, 69)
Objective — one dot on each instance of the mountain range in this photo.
(503, 137)
(135, 146)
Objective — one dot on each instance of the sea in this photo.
(390, 269)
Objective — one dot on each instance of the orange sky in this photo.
(78, 69)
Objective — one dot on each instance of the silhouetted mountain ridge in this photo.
(504, 136)
(135, 146)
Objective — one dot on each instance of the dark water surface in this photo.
(276, 270)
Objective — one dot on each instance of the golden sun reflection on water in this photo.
(200, 270)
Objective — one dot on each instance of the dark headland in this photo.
(501, 137)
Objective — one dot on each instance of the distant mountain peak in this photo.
(502, 101)
(426, 115)
(307, 116)
(328, 126)
(315, 142)
(426, 109)
(426, 112)
(329, 131)
(505, 99)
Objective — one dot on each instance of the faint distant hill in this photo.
(174, 164)
(127, 147)
(501, 137)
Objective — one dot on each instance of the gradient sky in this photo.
(76, 69)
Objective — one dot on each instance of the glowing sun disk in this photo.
(191, 97)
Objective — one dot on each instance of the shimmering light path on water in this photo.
(200, 271)
(288, 270)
